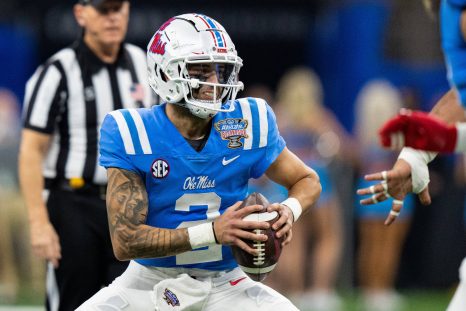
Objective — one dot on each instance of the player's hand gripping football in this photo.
(418, 130)
(230, 228)
(45, 242)
(395, 183)
(284, 224)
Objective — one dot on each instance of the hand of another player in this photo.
(45, 242)
(230, 228)
(418, 130)
(284, 224)
(397, 184)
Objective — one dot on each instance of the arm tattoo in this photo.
(127, 207)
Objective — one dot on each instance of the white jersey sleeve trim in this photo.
(45, 96)
(264, 124)
(246, 110)
(124, 131)
(142, 133)
(30, 89)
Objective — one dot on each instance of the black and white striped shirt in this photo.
(68, 98)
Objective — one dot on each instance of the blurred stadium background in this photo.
(347, 42)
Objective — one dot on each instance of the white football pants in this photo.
(149, 288)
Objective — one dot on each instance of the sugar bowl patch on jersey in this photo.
(251, 125)
(232, 130)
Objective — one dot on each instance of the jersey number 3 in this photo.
(184, 203)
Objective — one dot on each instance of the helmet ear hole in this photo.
(162, 75)
(180, 71)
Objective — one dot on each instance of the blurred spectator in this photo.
(9, 133)
(300, 99)
(10, 125)
(314, 134)
(9, 213)
(379, 247)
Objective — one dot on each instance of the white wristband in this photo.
(201, 235)
(461, 137)
(294, 206)
(418, 161)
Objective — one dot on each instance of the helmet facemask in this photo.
(208, 87)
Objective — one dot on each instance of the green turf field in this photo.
(415, 301)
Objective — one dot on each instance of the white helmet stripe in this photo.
(124, 131)
(218, 37)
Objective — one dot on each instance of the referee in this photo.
(63, 185)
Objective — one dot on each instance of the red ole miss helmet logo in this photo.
(158, 45)
(160, 168)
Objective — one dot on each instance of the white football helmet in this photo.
(193, 40)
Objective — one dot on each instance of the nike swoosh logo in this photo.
(226, 162)
(233, 283)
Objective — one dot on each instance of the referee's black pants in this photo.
(87, 263)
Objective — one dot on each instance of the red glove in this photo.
(418, 130)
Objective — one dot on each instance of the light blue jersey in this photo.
(186, 187)
(454, 45)
(459, 3)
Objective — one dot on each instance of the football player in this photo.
(432, 132)
(177, 173)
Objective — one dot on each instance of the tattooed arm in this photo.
(127, 207)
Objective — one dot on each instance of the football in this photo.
(258, 267)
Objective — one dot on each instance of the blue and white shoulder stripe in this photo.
(133, 131)
(254, 110)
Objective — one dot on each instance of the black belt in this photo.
(77, 185)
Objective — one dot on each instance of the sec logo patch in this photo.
(160, 168)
